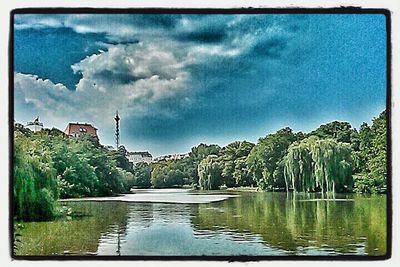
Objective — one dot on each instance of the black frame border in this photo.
(244, 10)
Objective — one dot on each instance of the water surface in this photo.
(248, 224)
(182, 196)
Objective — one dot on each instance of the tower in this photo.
(117, 119)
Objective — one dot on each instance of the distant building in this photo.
(77, 129)
(172, 157)
(35, 125)
(136, 157)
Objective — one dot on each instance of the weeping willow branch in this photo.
(318, 165)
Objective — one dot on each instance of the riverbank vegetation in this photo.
(49, 165)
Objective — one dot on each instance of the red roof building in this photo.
(76, 129)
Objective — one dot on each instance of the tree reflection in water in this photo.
(303, 223)
(250, 224)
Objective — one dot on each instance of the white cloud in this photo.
(133, 78)
(26, 21)
(112, 25)
(138, 80)
(43, 94)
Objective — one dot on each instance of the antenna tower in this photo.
(117, 119)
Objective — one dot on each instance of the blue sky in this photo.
(179, 80)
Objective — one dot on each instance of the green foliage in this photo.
(166, 174)
(87, 169)
(48, 165)
(365, 144)
(233, 164)
(231, 160)
(339, 131)
(373, 157)
(121, 160)
(35, 180)
(209, 171)
(197, 154)
(241, 174)
(76, 175)
(332, 165)
(142, 175)
(125, 179)
(298, 168)
(201, 151)
(264, 160)
(315, 164)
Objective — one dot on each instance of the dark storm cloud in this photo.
(116, 77)
(182, 77)
(122, 42)
(270, 48)
(203, 36)
(166, 21)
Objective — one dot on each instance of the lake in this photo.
(216, 223)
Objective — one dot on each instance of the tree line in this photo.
(49, 165)
(335, 157)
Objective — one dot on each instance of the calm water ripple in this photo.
(248, 224)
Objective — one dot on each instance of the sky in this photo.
(178, 80)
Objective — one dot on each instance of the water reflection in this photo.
(151, 227)
(303, 223)
(251, 224)
(76, 236)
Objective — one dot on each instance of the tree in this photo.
(49, 164)
(298, 171)
(170, 173)
(209, 171)
(197, 154)
(234, 169)
(373, 157)
(174, 178)
(76, 176)
(120, 157)
(377, 162)
(201, 151)
(35, 188)
(318, 164)
(189, 170)
(339, 131)
(142, 175)
(158, 176)
(241, 174)
(365, 146)
(332, 165)
(264, 158)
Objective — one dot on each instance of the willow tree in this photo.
(318, 164)
(209, 171)
(332, 165)
(35, 187)
(298, 170)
